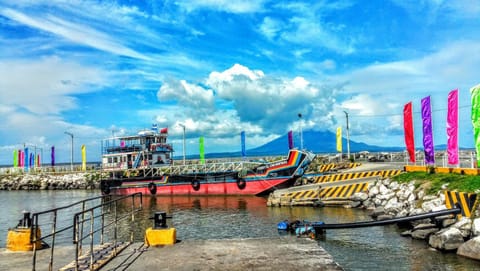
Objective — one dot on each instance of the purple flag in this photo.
(290, 140)
(427, 131)
(31, 162)
(452, 127)
(53, 156)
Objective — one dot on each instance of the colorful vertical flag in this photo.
(15, 158)
(242, 138)
(20, 158)
(290, 140)
(39, 163)
(52, 156)
(428, 145)
(202, 150)
(408, 130)
(339, 139)
(475, 93)
(452, 127)
(84, 158)
(31, 160)
(25, 158)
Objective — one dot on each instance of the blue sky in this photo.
(97, 68)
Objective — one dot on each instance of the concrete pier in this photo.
(283, 253)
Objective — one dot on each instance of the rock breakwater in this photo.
(50, 181)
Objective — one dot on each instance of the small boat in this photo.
(143, 163)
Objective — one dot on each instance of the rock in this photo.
(355, 204)
(446, 239)
(377, 211)
(464, 226)
(383, 189)
(476, 227)
(373, 192)
(423, 234)
(359, 196)
(406, 233)
(470, 249)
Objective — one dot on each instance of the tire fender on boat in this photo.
(195, 185)
(241, 183)
(152, 188)
(104, 187)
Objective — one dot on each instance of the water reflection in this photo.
(375, 248)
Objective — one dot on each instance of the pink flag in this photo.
(452, 127)
(408, 127)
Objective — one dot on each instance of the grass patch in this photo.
(434, 182)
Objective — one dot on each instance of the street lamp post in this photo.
(183, 126)
(71, 151)
(301, 132)
(348, 136)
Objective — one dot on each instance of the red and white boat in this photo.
(142, 163)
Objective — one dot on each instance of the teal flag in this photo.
(15, 158)
(202, 151)
(475, 93)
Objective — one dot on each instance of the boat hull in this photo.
(233, 187)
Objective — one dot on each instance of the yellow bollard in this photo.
(18, 239)
(156, 237)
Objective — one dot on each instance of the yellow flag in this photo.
(84, 158)
(339, 139)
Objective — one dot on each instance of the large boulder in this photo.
(470, 249)
(476, 227)
(446, 239)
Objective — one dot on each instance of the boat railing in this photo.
(209, 167)
(95, 220)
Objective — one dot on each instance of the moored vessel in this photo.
(143, 163)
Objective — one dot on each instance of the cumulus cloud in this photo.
(186, 94)
(263, 99)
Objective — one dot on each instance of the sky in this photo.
(98, 69)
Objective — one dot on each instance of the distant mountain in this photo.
(316, 141)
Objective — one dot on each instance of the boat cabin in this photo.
(146, 149)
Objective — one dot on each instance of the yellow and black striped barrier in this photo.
(465, 200)
(356, 175)
(343, 191)
(333, 166)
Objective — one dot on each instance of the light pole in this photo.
(183, 126)
(348, 137)
(301, 132)
(71, 151)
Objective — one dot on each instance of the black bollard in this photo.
(26, 221)
(160, 220)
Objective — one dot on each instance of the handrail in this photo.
(88, 215)
(89, 212)
(35, 226)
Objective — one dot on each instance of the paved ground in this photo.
(283, 253)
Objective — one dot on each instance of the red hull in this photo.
(253, 187)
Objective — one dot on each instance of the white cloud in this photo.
(246, 6)
(188, 95)
(44, 86)
(77, 33)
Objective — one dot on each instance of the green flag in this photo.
(202, 150)
(15, 158)
(475, 92)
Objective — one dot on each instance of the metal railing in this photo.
(57, 222)
(100, 212)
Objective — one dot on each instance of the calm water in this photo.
(375, 248)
